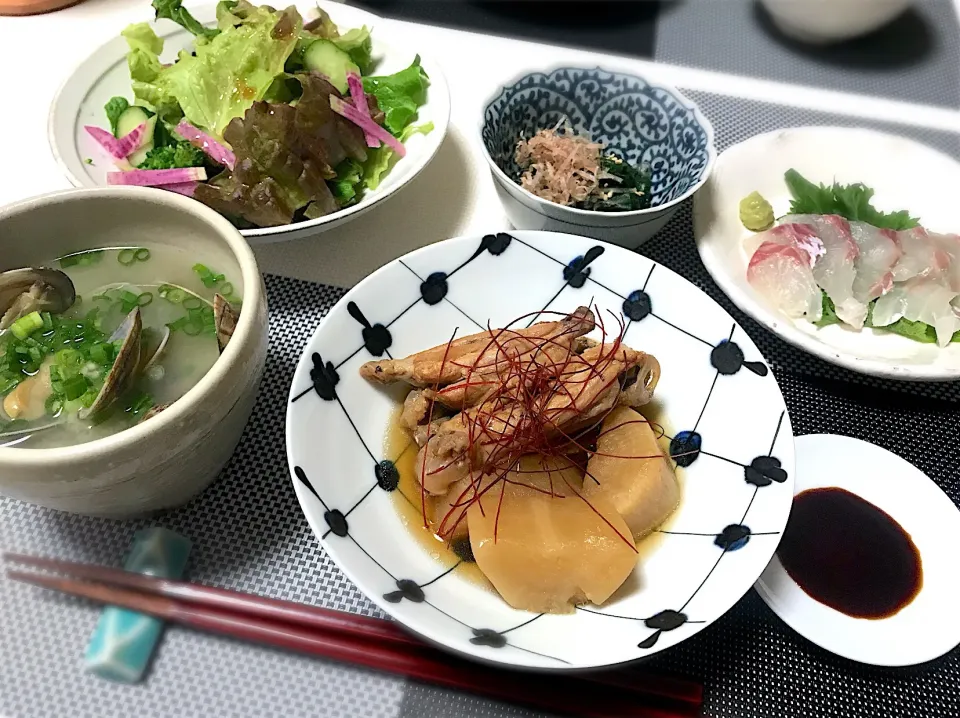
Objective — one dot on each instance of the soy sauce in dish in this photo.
(848, 554)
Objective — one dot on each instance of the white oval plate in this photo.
(336, 423)
(104, 75)
(927, 627)
(905, 175)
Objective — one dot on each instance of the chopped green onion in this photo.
(91, 257)
(101, 353)
(27, 325)
(226, 289)
(89, 397)
(75, 387)
(47, 319)
(144, 299)
(193, 328)
(139, 403)
(126, 257)
(8, 383)
(54, 405)
(191, 303)
(70, 260)
(207, 276)
(175, 295)
(142, 254)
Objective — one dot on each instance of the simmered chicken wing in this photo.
(480, 353)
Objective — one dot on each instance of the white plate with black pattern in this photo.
(732, 434)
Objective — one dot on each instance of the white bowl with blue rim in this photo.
(717, 399)
(640, 121)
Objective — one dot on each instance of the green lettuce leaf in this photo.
(321, 26)
(233, 70)
(143, 58)
(358, 45)
(174, 10)
(381, 159)
(146, 71)
(115, 107)
(399, 95)
(849, 201)
(231, 13)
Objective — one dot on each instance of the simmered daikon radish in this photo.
(644, 491)
(447, 514)
(543, 552)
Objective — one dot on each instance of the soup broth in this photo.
(61, 367)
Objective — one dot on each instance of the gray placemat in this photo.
(916, 58)
(250, 535)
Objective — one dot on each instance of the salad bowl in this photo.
(904, 174)
(642, 122)
(105, 74)
(716, 397)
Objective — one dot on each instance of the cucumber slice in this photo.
(129, 120)
(326, 58)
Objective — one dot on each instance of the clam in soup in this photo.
(102, 340)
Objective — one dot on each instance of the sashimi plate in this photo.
(905, 175)
(717, 400)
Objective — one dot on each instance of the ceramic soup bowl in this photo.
(642, 122)
(164, 461)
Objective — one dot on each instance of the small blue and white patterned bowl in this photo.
(643, 123)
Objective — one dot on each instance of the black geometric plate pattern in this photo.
(735, 453)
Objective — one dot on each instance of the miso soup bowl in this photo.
(166, 460)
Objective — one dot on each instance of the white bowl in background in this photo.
(826, 21)
(163, 462)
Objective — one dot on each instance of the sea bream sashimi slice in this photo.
(879, 254)
(780, 269)
(837, 268)
(949, 244)
(921, 299)
(921, 256)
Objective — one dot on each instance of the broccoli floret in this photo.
(181, 154)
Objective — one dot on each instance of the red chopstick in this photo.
(365, 641)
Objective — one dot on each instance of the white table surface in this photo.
(453, 196)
